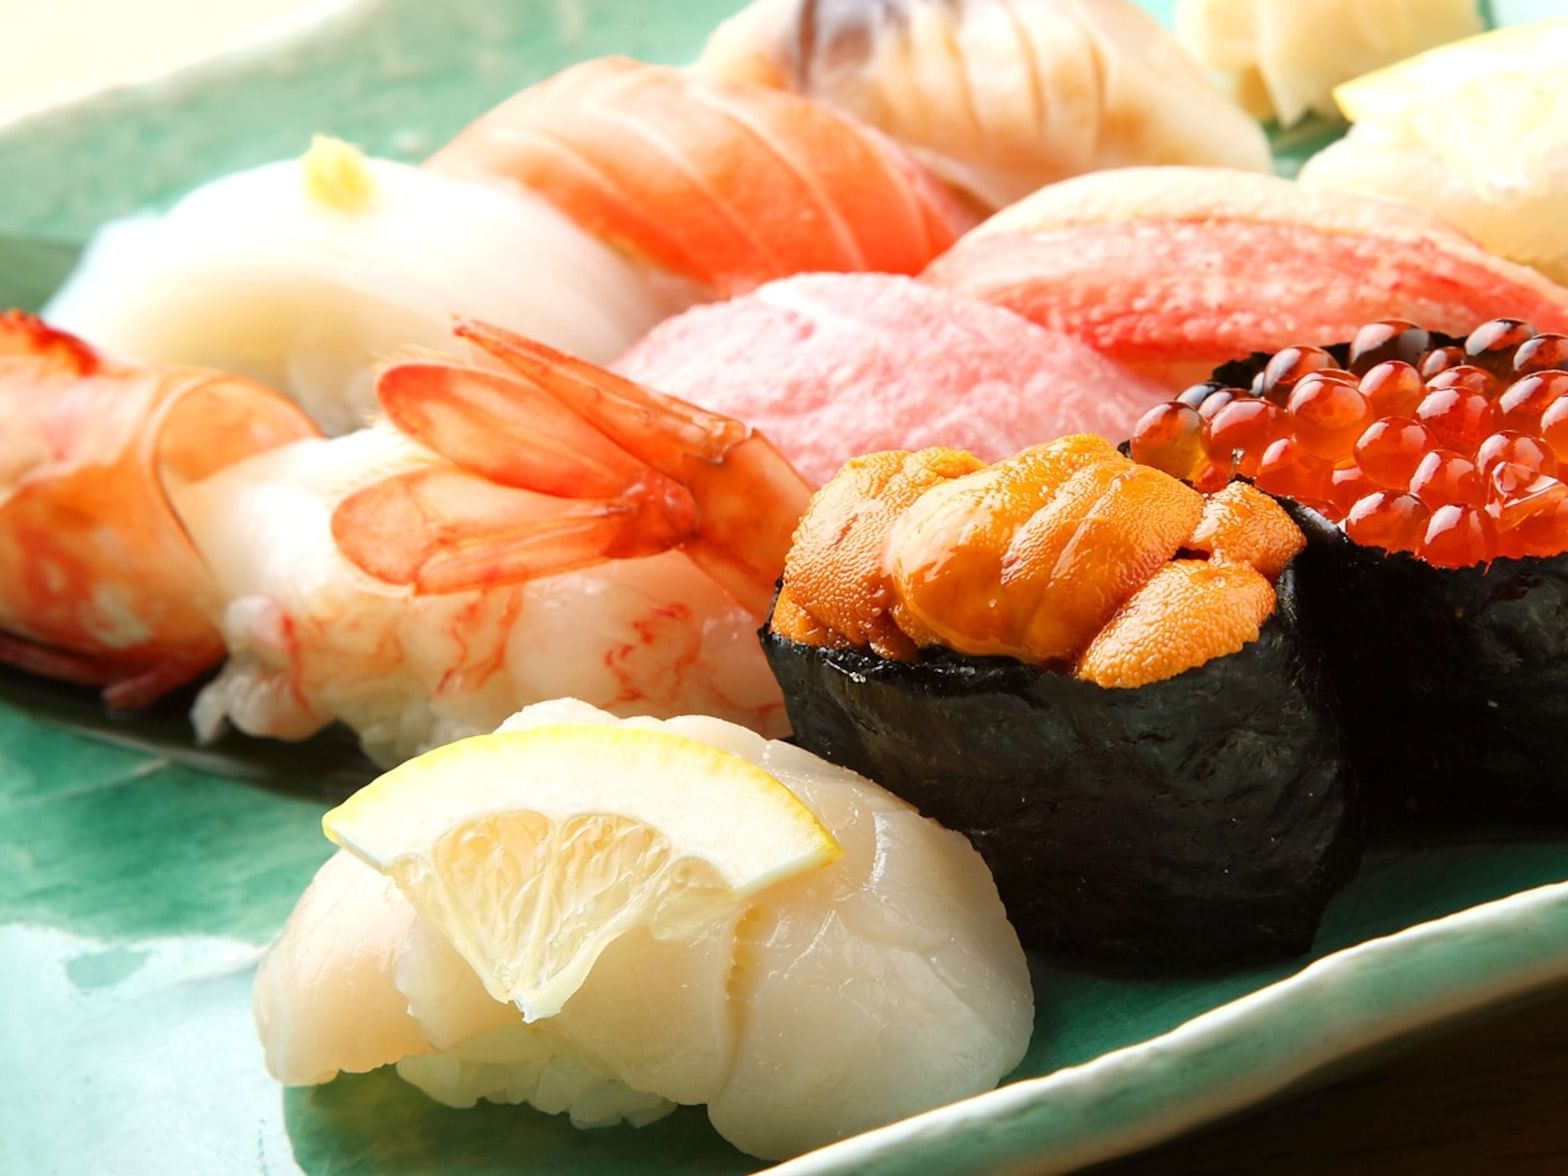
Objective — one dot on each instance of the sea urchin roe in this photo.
(1034, 557)
(836, 573)
(1190, 612)
(1241, 524)
(1030, 557)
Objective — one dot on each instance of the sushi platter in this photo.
(926, 586)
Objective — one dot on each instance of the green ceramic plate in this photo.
(140, 878)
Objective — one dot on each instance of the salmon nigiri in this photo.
(830, 366)
(1176, 270)
(727, 185)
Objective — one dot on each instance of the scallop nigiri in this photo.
(305, 274)
(998, 97)
(753, 929)
(831, 366)
(725, 185)
(503, 536)
(1176, 270)
(99, 584)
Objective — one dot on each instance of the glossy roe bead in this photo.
(1525, 400)
(1445, 476)
(1517, 448)
(1393, 388)
(1287, 468)
(1391, 339)
(1459, 536)
(1390, 449)
(1327, 415)
(1169, 437)
(1394, 522)
(1458, 418)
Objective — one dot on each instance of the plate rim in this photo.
(1343, 1005)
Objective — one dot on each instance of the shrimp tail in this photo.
(125, 687)
(560, 465)
(748, 497)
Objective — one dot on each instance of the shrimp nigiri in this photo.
(831, 366)
(998, 97)
(1176, 270)
(502, 537)
(307, 273)
(870, 982)
(724, 185)
(99, 583)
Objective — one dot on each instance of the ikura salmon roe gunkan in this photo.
(1451, 452)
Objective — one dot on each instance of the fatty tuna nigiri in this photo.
(830, 366)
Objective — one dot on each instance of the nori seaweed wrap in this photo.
(1198, 817)
(1446, 649)
(1452, 683)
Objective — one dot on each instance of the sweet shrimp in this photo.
(506, 534)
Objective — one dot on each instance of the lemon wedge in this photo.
(533, 850)
(1521, 56)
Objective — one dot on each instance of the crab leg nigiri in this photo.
(1176, 270)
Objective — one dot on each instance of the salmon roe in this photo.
(1451, 452)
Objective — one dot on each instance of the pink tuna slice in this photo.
(1174, 270)
(830, 366)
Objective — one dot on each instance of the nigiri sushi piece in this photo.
(1476, 132)
(99, 583)
(831, 366)
(1283, 58)
(1175, 270)
(1432, 470)
(502, 536)
(306, 274)
(754, 929)
(1094, 671)
(998, 97)
(725, 185)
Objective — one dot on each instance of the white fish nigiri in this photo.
(1283, 58)
(305, 274)
(998, 97)
(877, 986)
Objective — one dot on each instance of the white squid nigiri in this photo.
(305, 274)
(502, 538)
(998, 97)
(1283, 58)
(849, 995)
